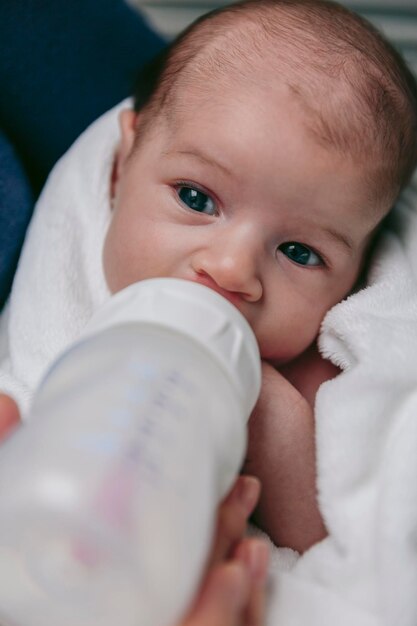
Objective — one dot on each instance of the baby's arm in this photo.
(281, 451)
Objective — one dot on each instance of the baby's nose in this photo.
(232, 266)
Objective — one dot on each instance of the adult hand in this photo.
(233, 590)
(9, 416)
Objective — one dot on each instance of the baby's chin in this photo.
(278, 353)
(279, 358)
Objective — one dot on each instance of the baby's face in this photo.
(234, 194)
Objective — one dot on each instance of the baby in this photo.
(273, 139)
(266, 147)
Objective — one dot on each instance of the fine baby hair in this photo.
(359, 95)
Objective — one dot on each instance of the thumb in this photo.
(9, 415)
(223, 598)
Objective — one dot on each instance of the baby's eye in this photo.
(300, 254)
(196, 200)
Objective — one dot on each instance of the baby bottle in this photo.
(108, 496)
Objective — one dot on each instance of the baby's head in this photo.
(268, 144)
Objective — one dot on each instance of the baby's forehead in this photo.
(245, 54)
(238, 53)
(201, 121)
(279, 77)
(348, 81)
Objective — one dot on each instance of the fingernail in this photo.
(258, 560)
(248, 492)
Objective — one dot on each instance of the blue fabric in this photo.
(62, 64)
(16, 204)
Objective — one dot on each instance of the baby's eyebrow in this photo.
(340, 238)
(205, 159)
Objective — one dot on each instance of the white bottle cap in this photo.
(197, 312)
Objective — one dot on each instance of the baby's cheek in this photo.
(122, 256)
(287, 327)
(119, 263)
(108, 263)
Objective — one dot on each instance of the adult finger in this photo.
(223, 598)
(255, 554)
(9, 415)
(233, 515)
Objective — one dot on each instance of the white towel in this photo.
(59, 281)
(365, 572)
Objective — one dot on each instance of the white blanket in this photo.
(365, 572)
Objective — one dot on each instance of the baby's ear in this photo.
(127, 125)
